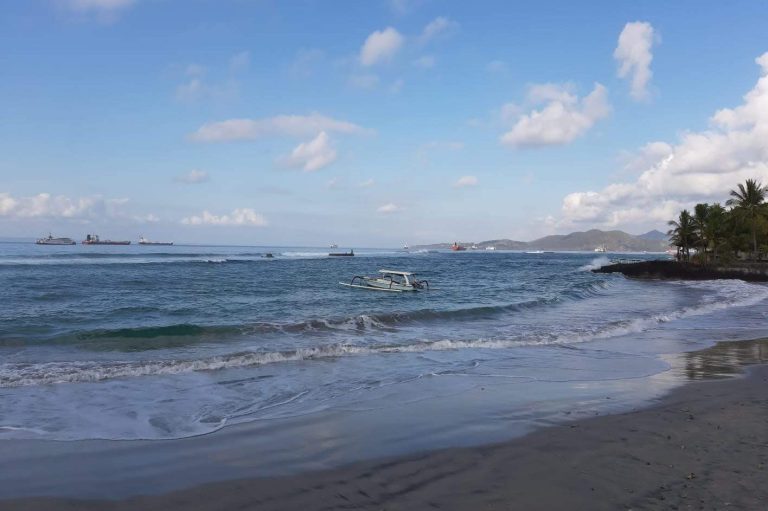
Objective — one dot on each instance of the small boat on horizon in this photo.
(457, 248)
(93, 239)
(394, 281)
(50, 240)
(145, 241)
(333, 245)
(490, 248)
(351, 253)
(601, 249)
(406, 247)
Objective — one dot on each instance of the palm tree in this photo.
(715, 228)
(682, 234)
(749, 201)
(700, 224)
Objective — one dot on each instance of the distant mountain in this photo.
(654, 235)
(613, 241)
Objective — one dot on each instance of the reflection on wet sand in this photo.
(723, 360)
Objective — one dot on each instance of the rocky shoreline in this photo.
(674, 270)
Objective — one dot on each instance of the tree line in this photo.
(713, 233)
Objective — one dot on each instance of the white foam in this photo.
(596, 263)
(726, 294)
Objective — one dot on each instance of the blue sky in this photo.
(373, 123)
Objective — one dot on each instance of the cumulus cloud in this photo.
(563, 117)
(437, 27)
(286, 125)
(388, 208)
(45, 205)
(381, 46)
(194, 176)
(238, 217)
(701, 166)
(634, 56)
(313, 155)
(465, 181)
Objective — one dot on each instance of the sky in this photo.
(374, 123)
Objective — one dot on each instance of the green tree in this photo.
(683, 234)
(748, 201)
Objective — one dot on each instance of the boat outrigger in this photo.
(389, 280)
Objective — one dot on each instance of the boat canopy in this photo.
(395, 272)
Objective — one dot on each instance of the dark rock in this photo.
(661, 270)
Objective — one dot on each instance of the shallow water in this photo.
(173, 342)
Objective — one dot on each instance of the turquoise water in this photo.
(172, 342)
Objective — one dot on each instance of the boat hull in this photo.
(64, 241)
(106, 242)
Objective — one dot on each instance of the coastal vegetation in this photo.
(716, 234)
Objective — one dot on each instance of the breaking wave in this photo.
(730, 293)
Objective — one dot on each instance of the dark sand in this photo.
(704, 446)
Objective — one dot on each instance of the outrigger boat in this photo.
(389, 280)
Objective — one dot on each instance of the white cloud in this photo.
(496, 66)
(563, 118)
(104, 10)
(364, 81)
(368, 183)
(194, 176)
(240, 61)
(194, 70)
(238, 217)
(389, 208)
(45, 205)
(465, 181)
(634, 56)
(380, 46)
(701, 166)
(290, 125)
(313, 155)
(306, 61)
(425, 62)
(192, 90)
(438, 26)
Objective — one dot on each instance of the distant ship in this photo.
(50, 240)
(601, 248)
(406, 247)
(93, 239)
(334, 245)
(145, 241)
(457, 248)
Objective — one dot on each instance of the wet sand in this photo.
(703, 446)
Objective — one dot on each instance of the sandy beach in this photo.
(702, 446)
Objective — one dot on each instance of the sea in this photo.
(156, 343)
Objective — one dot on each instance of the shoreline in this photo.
(700, 446)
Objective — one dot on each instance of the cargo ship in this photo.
(145, 241)
(93, 239)
(50, 240)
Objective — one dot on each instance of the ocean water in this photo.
(129, 343)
